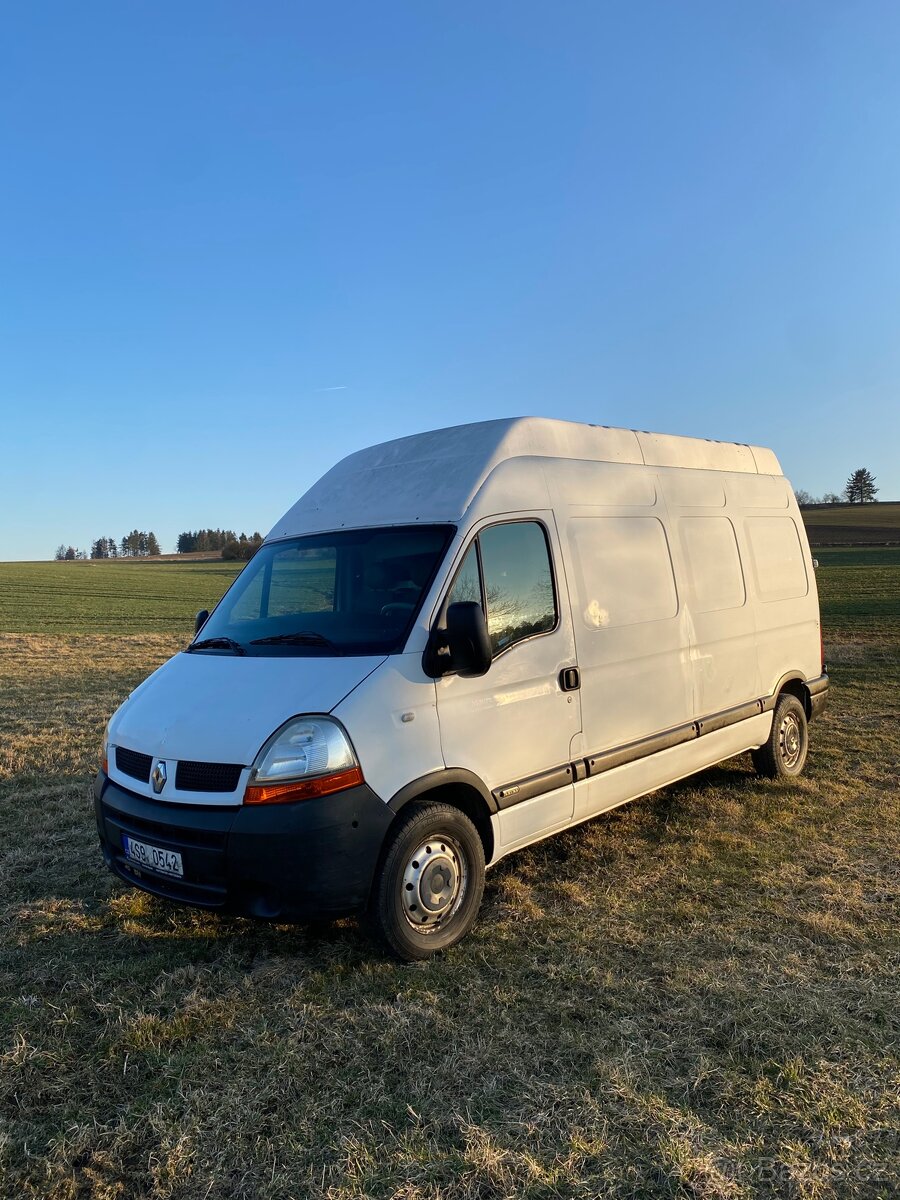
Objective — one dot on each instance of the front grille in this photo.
(130, 762)
(207, 777)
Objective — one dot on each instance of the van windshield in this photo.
(356, 591)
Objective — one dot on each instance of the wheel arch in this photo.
(794, 683)
(455, 786)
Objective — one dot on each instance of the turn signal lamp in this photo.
(306, 758)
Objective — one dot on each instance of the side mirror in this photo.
(464, 647)
(200, 620)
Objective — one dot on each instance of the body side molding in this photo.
(618, 756)
(535, 785)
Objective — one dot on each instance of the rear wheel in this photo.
(429, 887)
(783, 755)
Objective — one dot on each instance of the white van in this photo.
(453, 645)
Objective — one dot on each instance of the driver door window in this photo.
(507, 570)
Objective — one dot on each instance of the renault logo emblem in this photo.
(158, 777)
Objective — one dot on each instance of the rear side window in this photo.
(778, 566)
(624, 570)
(507, 568)
(714, 565)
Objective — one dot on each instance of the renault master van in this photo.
(456, 644)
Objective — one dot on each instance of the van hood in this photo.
(221, 708)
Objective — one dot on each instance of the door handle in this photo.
(569, 679)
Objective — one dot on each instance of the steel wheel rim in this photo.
(434, 883)
(790, 740)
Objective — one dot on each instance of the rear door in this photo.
(515, 726)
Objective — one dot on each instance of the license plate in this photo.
(168, 862)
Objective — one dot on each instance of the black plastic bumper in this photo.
(817, 690)
(315, 858)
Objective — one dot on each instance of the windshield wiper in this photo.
(303, 637)
(218, 643)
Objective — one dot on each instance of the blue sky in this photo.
(239, 241)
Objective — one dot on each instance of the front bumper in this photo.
(315, 858)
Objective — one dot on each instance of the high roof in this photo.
(434, 476)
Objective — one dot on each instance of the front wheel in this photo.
(429, 886)
(783, 755)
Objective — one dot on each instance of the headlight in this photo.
(104, 750)
(307, 757)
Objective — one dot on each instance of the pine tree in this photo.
(152, 544)
(860, 487)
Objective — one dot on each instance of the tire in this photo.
(783, 756)
(429, 885)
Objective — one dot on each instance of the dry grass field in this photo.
(695, 996)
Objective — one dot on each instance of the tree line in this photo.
(136, 544)
(859, 489)
(236, 547)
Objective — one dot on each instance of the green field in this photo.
(108, 596)
(859, 591)
(692, 997)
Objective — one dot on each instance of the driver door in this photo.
(515, 726)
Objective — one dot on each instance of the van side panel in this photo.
(632, 640)
(781, 581)
(692, 595)
(719, 611)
